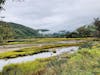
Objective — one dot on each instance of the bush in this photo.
(86, 45)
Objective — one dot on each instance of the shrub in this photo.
(86, 45)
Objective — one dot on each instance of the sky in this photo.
(54, 15)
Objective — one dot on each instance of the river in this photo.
(4, 62)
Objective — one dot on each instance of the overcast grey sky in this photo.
(52, 14)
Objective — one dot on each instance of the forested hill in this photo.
(18, 30)
(23, 31)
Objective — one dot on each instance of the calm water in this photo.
(4, 62)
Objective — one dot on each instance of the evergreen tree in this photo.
(97, 25)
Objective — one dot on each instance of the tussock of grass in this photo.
(30, 68)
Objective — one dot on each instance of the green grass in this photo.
(30, 68)
(27, 69)
(84, 62)
(33, 50)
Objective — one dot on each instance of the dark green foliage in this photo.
(85, 31)
(81, 32)
(97, 24)
(72, 34)
(5, 32)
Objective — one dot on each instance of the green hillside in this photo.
(18, 30)
(23, 31)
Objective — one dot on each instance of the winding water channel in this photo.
(4, 62)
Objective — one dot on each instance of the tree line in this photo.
(5, 32)
(92, 30)
(86, 30)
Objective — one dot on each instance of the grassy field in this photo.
(84, 62)
(45, 40)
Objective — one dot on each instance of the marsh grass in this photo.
(47, 40)
(79, 63)
(36, 67)
(33, 50)
(84, 62)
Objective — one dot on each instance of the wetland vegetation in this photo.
(85, 61)
(29, 51)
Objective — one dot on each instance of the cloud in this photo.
(52, 14)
